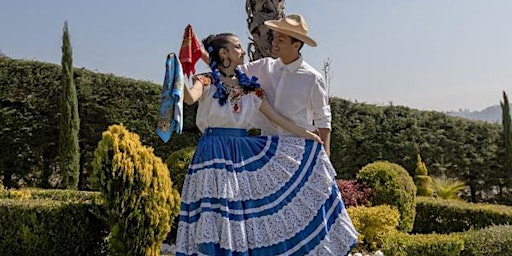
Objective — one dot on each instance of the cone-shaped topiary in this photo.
(140, 202)
(422, 180)
(393, 186)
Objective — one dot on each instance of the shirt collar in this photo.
(292, 67)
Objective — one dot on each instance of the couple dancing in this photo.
(262, 195)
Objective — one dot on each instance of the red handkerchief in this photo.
(190, 51)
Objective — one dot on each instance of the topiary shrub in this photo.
(422, 180)
(178, 162)
(140, 202)
(393, 186)
(374, 223)
(354, 193)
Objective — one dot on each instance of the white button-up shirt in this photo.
(297, 91)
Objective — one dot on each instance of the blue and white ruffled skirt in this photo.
(263, 195)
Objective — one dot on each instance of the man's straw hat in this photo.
(293, 25)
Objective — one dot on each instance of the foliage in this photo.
(505, 174)
(30, 114)
(178, 163)
(374, 223)
(51, 227)
(393, 186)
(401, 244)
(361, 133)
(494, 240)
(354, 193)
(422, 180)
(140, 202)
(435, 215)
(447, 188)
(69, 151)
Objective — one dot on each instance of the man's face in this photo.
(283, 45)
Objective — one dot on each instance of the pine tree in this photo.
(69, 151)
(507, 142)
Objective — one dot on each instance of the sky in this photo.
(438, 55)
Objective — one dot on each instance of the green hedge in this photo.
(446, 216)
(361, 134)
(29, 117)
(49, 227)
(496, 240)
(52, 194)
(401, 244)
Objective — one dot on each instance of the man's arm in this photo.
(321, 112)
(325, 135)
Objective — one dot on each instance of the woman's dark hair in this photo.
(213, 44)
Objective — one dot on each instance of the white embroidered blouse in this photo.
(238, 112)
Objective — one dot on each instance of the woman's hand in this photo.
(313, 136)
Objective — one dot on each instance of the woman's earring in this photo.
(224, 65)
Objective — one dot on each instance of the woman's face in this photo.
(235, 52)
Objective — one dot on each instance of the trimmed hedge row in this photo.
(50, 227)
(52, 194)
(361, 134)
(495, 240)
(402, 244)
(29, 117)
(446, 216)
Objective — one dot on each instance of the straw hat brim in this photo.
(274, 25)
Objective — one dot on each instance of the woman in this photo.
(255, 195)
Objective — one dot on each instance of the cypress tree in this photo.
(507, 141)
(69, 151)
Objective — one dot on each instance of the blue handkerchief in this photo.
(170, 116)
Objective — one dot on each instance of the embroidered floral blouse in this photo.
(238, 112)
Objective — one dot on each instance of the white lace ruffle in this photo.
(246, 185)
(339, 239)
(266, 230)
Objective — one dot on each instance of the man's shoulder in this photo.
(310, 69)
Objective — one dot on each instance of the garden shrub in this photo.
(446, 216)
(373, 223)
(422, 180)
(354, 193)
(140, 202)
(402, 244)
(495, 240)
(178, 162)
(393, 186)
(447, 188)
(50, 227)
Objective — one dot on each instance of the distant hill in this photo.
(490, 114)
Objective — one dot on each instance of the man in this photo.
(292, 86)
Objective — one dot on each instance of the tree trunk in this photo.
(258, 11)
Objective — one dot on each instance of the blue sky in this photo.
(426, 54)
